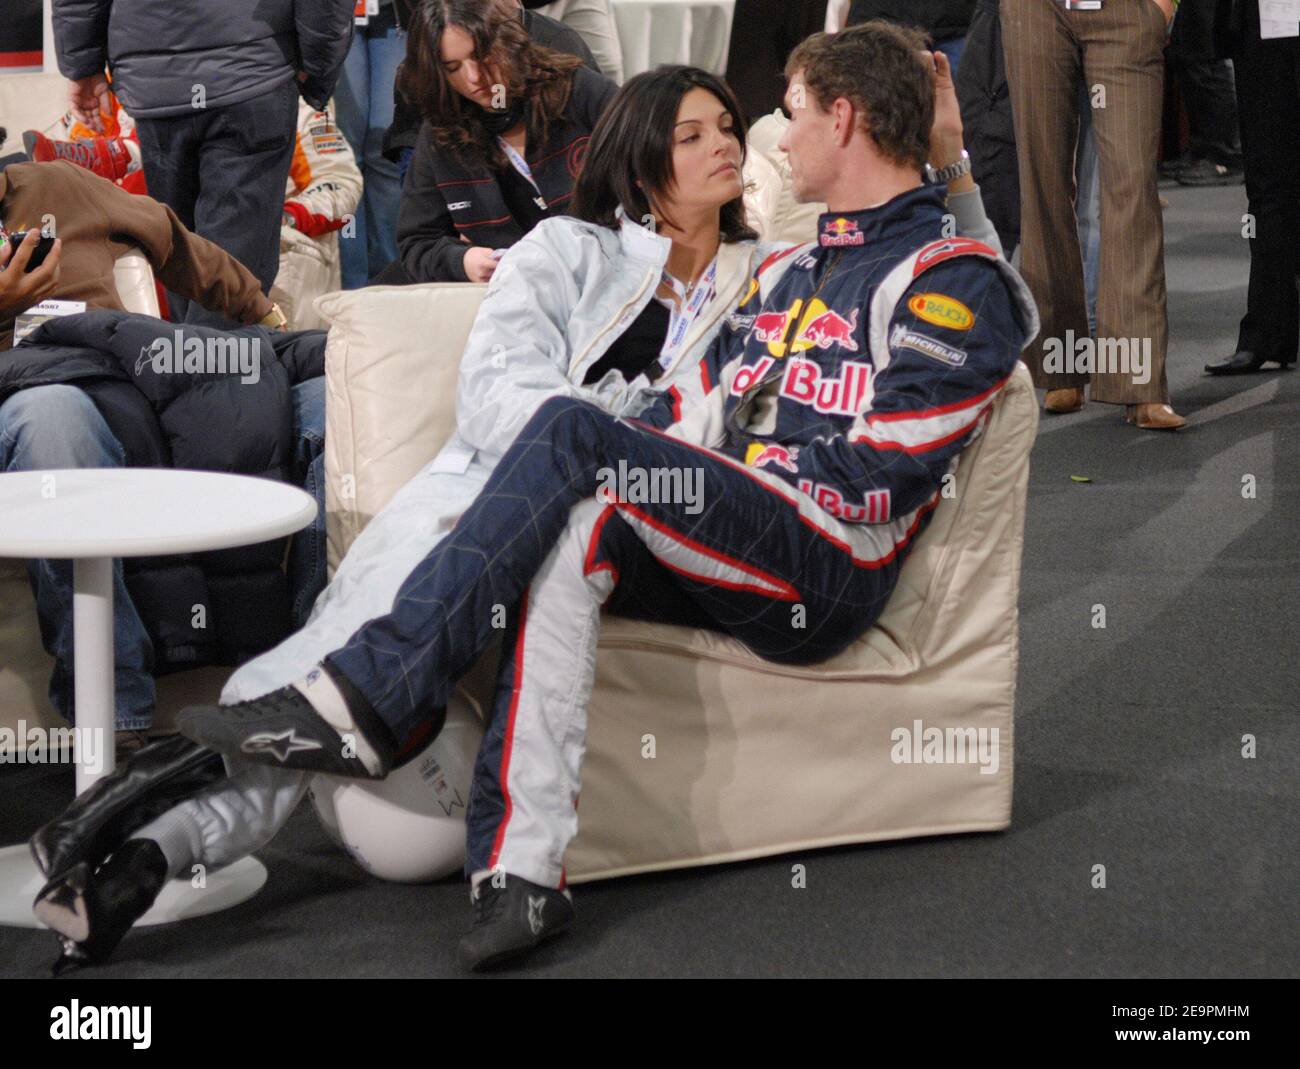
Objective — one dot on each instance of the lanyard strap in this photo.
(686, 311)
(521, 165)
(518, 162)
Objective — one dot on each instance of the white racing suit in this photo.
(323, 190)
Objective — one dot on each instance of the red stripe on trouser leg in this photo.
(764, 583)
(590, 564)
(507, 744)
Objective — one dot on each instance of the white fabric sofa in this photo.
(751, 758)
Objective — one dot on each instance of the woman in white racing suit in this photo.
(658, 256)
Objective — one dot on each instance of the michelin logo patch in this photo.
(902, 338)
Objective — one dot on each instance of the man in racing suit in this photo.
(801, 479)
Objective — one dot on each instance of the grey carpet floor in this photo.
(1128, 748)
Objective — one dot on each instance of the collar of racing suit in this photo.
(864, 228)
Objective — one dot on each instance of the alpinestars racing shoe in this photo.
(511, 917)
(321, 723)
(91, 912)
(143, 787)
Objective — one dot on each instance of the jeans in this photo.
(1087, 205)
(363, 103)
(224, 173)
(48, 427)
(307, 566)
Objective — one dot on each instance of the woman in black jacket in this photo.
(507, 123)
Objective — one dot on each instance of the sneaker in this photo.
(511, 917)
(1209, 173)
(91, 913)
(287, 730)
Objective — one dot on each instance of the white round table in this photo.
(93, 516)
(694, 32)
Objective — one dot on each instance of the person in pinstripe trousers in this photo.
(1115, 48)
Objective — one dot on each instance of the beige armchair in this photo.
(751, 758)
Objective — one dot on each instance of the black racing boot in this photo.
(288, 728)
(139, 790)
(91, 913)
(511, 919)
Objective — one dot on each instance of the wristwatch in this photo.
(952, 172)
(274, 319)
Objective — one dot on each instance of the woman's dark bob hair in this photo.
(634, 141)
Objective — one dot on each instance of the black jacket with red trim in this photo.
(445, 199)
(869, 366)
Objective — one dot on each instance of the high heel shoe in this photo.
(91, 912)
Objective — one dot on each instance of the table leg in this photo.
(92, 653)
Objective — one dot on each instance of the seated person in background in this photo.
(399, 140)
(324, 188)
(95, 222)
(507, 124)
(669, 147)
(324, 185)
(63, 406)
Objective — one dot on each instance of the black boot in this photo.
(144, 787)
(91, 913)
(511, 919)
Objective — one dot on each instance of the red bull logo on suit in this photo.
(761, 454)
(874, 507)
(841, 396)
(839, 232)
(804, 381)
(819, 327)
